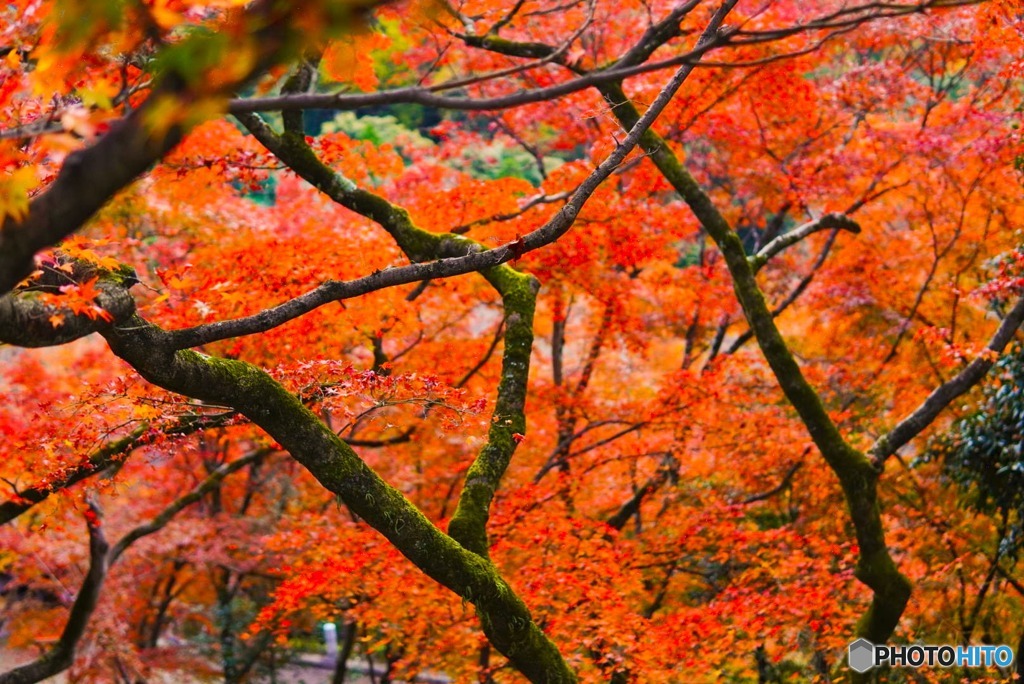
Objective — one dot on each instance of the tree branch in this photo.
(531, 203)
(252, 392)
(101, 558)
(91, 176)
(780, 243)
(60, 657)
(630, 508)
(462, 255)
(506, 620)
(401, 438)
(103, 458)
(787, 479)
(793, 295)
(856, 473)
(212, 481)
(87, 179)
(656, 35)
(518, 293)
(941, 396)
(483, 359)
(27, 322)
(428, 97)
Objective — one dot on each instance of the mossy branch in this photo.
(518, 293)
(253, 393)
(519, 296)
(855, 471)
(293, 150)
(418, 244)
(25, 321)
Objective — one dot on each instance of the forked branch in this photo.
(101, 557)
(60, 657)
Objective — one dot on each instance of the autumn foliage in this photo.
(599, 341)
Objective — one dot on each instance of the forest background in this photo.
(601, 341)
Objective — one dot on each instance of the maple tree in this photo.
(566, 341)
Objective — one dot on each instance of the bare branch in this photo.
(101, 558)
(530, 204)
(850, 15)
(793, 295)
(939, 399)
(837, 23)
(484, 359)
(212, 481)
(426, 95)
(826, 222)
(786, 481)
(507, 19)
(401, 438)
(467, 255)
(631, 507)
(871, 194)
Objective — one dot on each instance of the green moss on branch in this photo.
(518, 292)
(518, 295)
(857, 476)
(253, 393)
(507, 622)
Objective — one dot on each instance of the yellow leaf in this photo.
(164, 16)
(99, 95)
(144, 412)
(163, 112)
(243, 59)
(14, 191)
(340, 60)
(13, 59)
(205, 109)
(109, 263)
(50, 70)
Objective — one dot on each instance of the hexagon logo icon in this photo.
(861, 655)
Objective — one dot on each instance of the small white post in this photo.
(331, 639)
